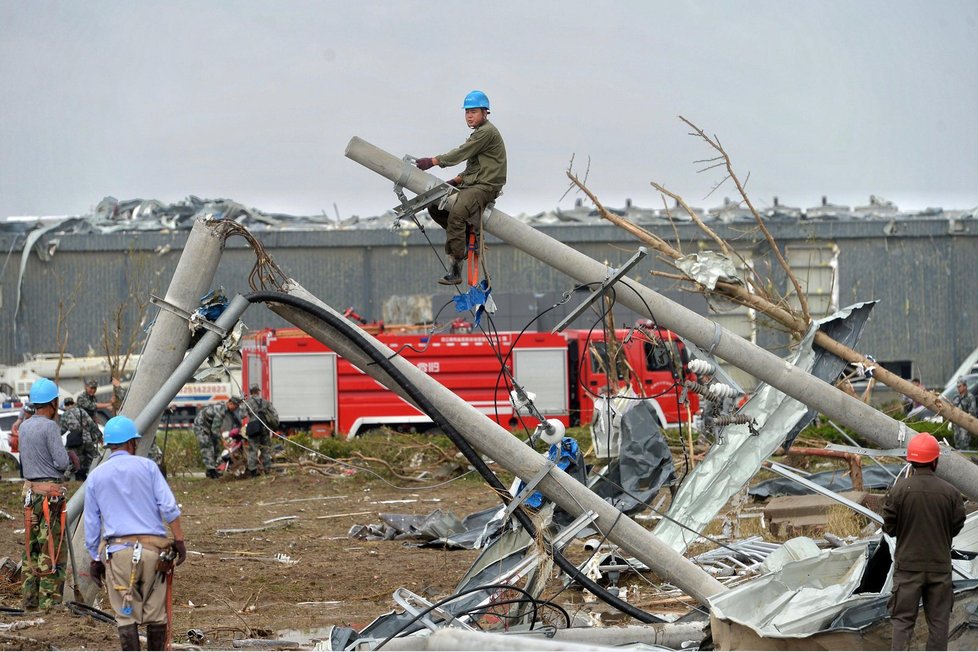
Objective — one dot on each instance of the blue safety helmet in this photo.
(476, 100)
(43, 391)
(119, 430)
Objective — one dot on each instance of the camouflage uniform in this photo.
(44, 579)
(207, 429)
(87, 403)
(966, 403)
(76, 420)
(260, 411)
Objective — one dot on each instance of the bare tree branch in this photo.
(724, 247)
(715, 144)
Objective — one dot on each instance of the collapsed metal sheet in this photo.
(967, 538)
(437, 529)
(874, 477)
(799, 599)
(862, 625)
(729, 466)
(708, 267)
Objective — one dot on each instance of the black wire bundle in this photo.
(416, 395)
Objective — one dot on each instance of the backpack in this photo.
(74, 438)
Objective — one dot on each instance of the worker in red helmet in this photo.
(923, 513)
(484, 155)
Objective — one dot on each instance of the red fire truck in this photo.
(314, 388)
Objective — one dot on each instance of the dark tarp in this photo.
(644, 464)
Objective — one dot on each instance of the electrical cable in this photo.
(461, 594)
(357, 339)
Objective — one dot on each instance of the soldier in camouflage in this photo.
(86, 400)
(965, 402)
(262, 416)
(208, 427)
(83, 436)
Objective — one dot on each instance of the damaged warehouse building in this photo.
(916, 265)
(791, 597)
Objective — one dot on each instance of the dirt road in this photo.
(232, 585)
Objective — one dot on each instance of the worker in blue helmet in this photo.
(44, 461)
(483, 178)
(128, 506)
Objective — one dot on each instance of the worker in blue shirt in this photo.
(127, 538)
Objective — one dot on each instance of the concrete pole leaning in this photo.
(870, 423)
(490, 439)
(169, 339)
(163, 352)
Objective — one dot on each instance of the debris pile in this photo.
(112, 215)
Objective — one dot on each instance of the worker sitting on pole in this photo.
(479, 183)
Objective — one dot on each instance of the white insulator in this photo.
(520, 403)
(720, 390)
(701, 367)
(554, 433)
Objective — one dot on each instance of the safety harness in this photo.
(50, 492)
(473, 259)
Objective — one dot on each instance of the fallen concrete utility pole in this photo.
(764, 365)
(492, 440)
(666, 635)
(163, 352)
(169, 339)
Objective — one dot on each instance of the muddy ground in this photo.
(232, 586)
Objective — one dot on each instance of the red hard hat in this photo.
(923, 448)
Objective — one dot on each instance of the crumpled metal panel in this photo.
(708, 267)
(801, 598)
(730, 465)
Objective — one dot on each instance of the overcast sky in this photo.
(256, 101)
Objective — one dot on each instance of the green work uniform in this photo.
(483, 178)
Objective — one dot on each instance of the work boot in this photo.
(129, 637)
(253, 473)
(454, 275)
(156, 636)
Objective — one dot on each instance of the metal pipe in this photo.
(492, 440)
(852, 441)
(764, 365)
(854, 461)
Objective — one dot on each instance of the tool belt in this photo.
(149, 541)
(44, 488)
(51, 492)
